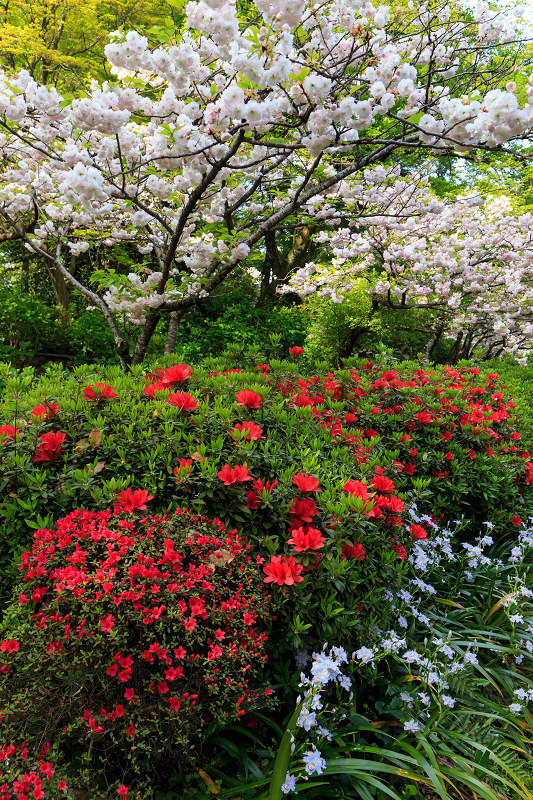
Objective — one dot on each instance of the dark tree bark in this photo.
(60, 286)
(147, 331)
(271, 267)
(275, 271)
(434, 340)
(454, 355)
(173, 328)
(348, 344)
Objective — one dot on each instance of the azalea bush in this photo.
(31, 776)
(317, 469)
(131, 638)
(443, 698)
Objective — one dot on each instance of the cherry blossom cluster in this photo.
(468, 261)
(200, 148)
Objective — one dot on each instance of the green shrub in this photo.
(401, 435)
(232, 321)
(90, 339)
(357, 324)
(29, 325)
(441, 700)
(131, 637)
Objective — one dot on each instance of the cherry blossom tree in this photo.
(202, 149)
(467, 261)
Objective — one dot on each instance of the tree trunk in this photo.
(60, 287)
(298, 252)
(143, 340)
(348, 344)
(173, 328)
(275, 271)
(434, 340)
(454, 355)
(271, 265)
(25, 283)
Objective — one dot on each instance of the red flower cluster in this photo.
(253, 431)
(355, 551)
(283, 571)
(176, 374)
(305, 483)
(306, 539)
(417, 532)
(50, 447)
(184, 469)
(236, 474)
(8, 432)
(183, 401)
(99, 391)
(45, 411)
(132, 501)
(253, 500)
(248, 398)
(163, 379)
(26, 778)
(129, 591)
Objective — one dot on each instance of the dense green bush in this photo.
(131, 637)
(232, 321)
(435, 436)
(30, 325)
(317, 470)
(359, 325)
(441, 700)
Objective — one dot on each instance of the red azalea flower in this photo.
(131, 731)
(253, 501)
(99, 391)
(174, 703)
(183, 401)
(396, 505)
(50, 448)
(283, 571)
(310, 539)
(237, 474)
(355, 551)
(132, 501)
(62, 785)
(382, 484)
(46, 410)
(400, 550)
(123, 790)
(259, 486)
(305, 509)
(305, 483)
(9, 646)
(7, 432)
(418, 532)
(248, 398)
(264, 368)
(152, 388)
(108, 623)
(424, 416)
(254, 431)
(183, 471)
(176, 374)
(357, 489)
(516, 520)
(296, 351)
